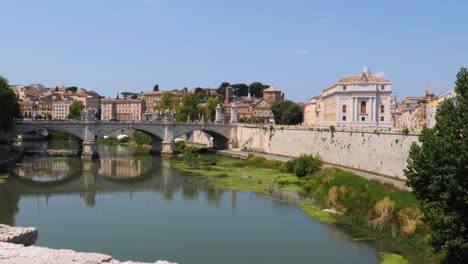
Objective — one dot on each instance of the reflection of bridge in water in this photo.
(91, 178)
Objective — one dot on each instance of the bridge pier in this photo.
(89, 150)
(168, 147)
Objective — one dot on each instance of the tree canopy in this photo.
(287, 113)
(72, 89)
(156, 88)
(189, 107)
(9, 103)
(210, 109)
(437, 171)
(167, 102)
(126, 95)
(74, 111)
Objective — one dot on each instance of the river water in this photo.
(134, 206)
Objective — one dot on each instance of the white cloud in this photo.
(298, 52)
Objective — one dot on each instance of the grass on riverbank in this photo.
(3, 178)
(315, 212)
(370, 209)
(228, 173)
(389, 258)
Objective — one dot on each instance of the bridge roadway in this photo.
(163, 132)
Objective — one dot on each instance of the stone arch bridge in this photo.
(163, 132)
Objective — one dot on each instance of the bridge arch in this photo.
(219, 138)
(27, 129)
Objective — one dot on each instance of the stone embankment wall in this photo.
(379, 152)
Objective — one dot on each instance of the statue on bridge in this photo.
(168, 115)
(88, 114)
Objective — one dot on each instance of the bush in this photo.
(141, 138)
(307, 165)
(180, 146)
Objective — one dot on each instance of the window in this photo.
(344, 87)
(343, 118)
(343, 108)
(382, 109)
(382, 118)
(363, 118)
(382, 87)
(363, 107)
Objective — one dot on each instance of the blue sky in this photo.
(299, 46)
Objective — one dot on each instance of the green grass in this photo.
(228, 173)
(316, 213)
(390, 258)
(3, 178)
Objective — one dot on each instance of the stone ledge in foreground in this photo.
(19, 254)
(18, 235)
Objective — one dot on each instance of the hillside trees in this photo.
(437, 171)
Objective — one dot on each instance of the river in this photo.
(134, 206)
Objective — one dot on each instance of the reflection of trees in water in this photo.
(8, 206)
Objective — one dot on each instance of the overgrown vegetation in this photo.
(141, 138)
(113, 141)
(389, 258)
(3, 178)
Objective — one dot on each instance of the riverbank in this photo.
(10, 155)
(357, 201)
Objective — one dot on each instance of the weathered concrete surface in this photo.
(377, 152)
(18, 235)
(19, 254)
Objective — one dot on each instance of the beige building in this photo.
(362, 101)
(60, 110)
(122, 109)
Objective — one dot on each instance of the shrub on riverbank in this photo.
(304, 165)
(371, 204)
(141, 138)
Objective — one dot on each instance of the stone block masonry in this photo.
(376, 152)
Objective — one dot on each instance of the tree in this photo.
(257, 88)
(126, 95)
(189, 108)
(287, 112)
(167, 102)
(156, 88)
(221, 91)
(240, 89)
(210, 109)
(72, 89)
(9, 103)
(437, 171)
(74, 111)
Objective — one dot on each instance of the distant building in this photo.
(248, 107)
(352, 101)
(151, 98)
(60, 110)
(122, 109)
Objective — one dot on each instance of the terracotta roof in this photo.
(370, 78)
